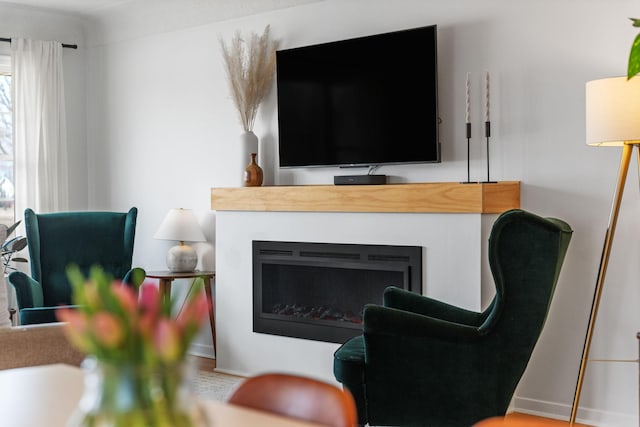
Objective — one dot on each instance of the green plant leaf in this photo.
(634, 58)
(14, 226)
(636, 22)
(137, 278)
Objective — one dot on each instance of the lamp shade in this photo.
(180, 225)
(613, 111)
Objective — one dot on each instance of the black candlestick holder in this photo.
(468, 181)
(487, 134)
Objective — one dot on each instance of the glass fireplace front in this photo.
(318, 290)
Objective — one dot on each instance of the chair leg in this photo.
(357, 391)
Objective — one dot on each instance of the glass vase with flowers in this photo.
(137, 372)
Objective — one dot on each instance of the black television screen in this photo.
(359, 102)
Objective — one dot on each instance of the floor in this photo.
(517, 419)
(205, 363)
(514, 419)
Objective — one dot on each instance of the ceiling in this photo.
(97, 8)
(82, 7)
(117, 20)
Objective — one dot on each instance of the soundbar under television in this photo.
(359, 102)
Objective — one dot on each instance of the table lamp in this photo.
(613, 119)
(181, 225)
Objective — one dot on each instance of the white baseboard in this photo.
(560, 411)
(232, 372)
(202, 350)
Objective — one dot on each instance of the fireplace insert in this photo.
(318, 291)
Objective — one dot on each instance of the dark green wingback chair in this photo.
(421, 362)
(56, 240)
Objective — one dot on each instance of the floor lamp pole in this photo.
(604, 261)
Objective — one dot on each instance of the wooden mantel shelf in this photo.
(444, 197)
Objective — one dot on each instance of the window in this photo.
(7, 214)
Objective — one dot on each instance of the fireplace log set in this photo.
(316, 313)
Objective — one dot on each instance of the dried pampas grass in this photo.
(250, 67)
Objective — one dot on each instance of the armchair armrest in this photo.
(36, 345)
(381, 321)
(36, 315)
(401, 299)
(28, 291)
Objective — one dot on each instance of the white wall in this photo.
(161, 133)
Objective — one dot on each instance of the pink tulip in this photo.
(108, 330)
(149, 297)
(125, 296)
(166, 340)
(114, 323)
(76, 327)
(194, 312)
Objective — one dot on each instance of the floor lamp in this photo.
(613, 119)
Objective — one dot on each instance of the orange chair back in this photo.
(297, 397)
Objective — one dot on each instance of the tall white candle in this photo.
(486, 117)
(468, 109)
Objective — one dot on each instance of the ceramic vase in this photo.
(253, 174)
(137, 395)
(248, 145)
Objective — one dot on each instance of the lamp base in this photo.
(182, 259)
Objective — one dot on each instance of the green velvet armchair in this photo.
(422, 362)
(56, 240)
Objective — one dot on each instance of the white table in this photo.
(47, 395)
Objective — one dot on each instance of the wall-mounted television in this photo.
(359, 102)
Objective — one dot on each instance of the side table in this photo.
(166, 277)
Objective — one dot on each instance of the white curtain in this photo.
(39, 126)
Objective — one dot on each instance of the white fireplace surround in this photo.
(454, 260)
(450, 221)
